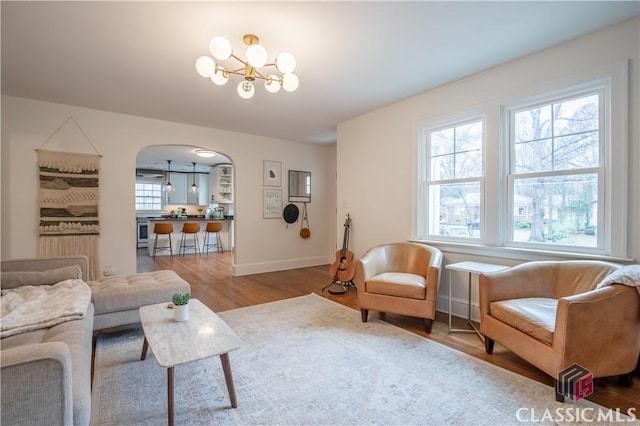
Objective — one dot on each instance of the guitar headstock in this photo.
(347, 221)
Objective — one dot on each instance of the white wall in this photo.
(376, 152)
(261, 244)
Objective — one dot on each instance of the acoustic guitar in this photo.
(343, 269)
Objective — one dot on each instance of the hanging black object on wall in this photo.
(291, 213)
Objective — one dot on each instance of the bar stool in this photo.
(212, 228)
(162, 228)
(190, 228)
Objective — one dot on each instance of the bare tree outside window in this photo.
(555, 171)
(454, 183)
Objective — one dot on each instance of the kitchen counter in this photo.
(188, 218)
(226, 234)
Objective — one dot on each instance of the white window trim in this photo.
(424, 169)
(613, 81)
(615, 247)
(601, 88)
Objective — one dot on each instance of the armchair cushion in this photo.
(535, 316)
(400, 278)
(597, 328)
(398, 284)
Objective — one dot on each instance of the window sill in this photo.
(516, 253)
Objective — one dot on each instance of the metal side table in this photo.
(472, 268)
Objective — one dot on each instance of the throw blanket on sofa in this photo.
(30, 308)
(627, 275)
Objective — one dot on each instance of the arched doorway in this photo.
(203, 188)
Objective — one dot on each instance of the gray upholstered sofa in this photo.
(46, 373)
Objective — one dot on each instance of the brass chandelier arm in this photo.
(239, 71)
(238, 59)
(257, 74)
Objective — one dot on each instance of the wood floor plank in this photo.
(212, 283)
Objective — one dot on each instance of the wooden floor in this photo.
(212, 283)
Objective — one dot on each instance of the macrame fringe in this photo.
(73, 245)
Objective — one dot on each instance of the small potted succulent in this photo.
(181, 306)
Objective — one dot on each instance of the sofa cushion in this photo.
(535, 316)
(77, 335)
(398, 284)
(14, 279)
(125, 292)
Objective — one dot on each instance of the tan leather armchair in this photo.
(551, 315)
(400, 278)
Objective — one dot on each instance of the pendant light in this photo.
(168, 187)
(194, 187)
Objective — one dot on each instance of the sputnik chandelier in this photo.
(256, 57)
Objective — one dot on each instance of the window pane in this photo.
(148, 196)
(469, 137)
(469, 164)
(442, 167)
(533, 156)
(559, 136)
(576, 151)
(455, 210)
(576, 115)
(557, 210)
(442, 142)
(533, 124)
(456, 152)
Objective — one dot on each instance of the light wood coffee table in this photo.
(173, 343)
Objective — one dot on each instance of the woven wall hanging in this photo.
(68, 198)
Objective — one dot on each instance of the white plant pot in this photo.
(181, 312)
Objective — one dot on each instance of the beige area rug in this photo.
(310, 361)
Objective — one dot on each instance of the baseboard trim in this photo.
(281, 265)
(459, 307)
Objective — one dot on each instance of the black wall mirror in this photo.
(299, 186)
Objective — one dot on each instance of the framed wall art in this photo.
(272, 203)
(271, 173)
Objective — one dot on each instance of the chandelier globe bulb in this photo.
(205, 66)
(219, 77)
(286, 63)
(272, 84)
(256, 56)
(290, 82)
(246, 89)
(220, 48)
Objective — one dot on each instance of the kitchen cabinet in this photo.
(202, 196)
(179, 195)
(203, 187)
(182, 189)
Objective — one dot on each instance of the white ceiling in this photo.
(353, 57)
(182, 158)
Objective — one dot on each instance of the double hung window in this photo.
(555, 181)
(547, 171)
(453, 189)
